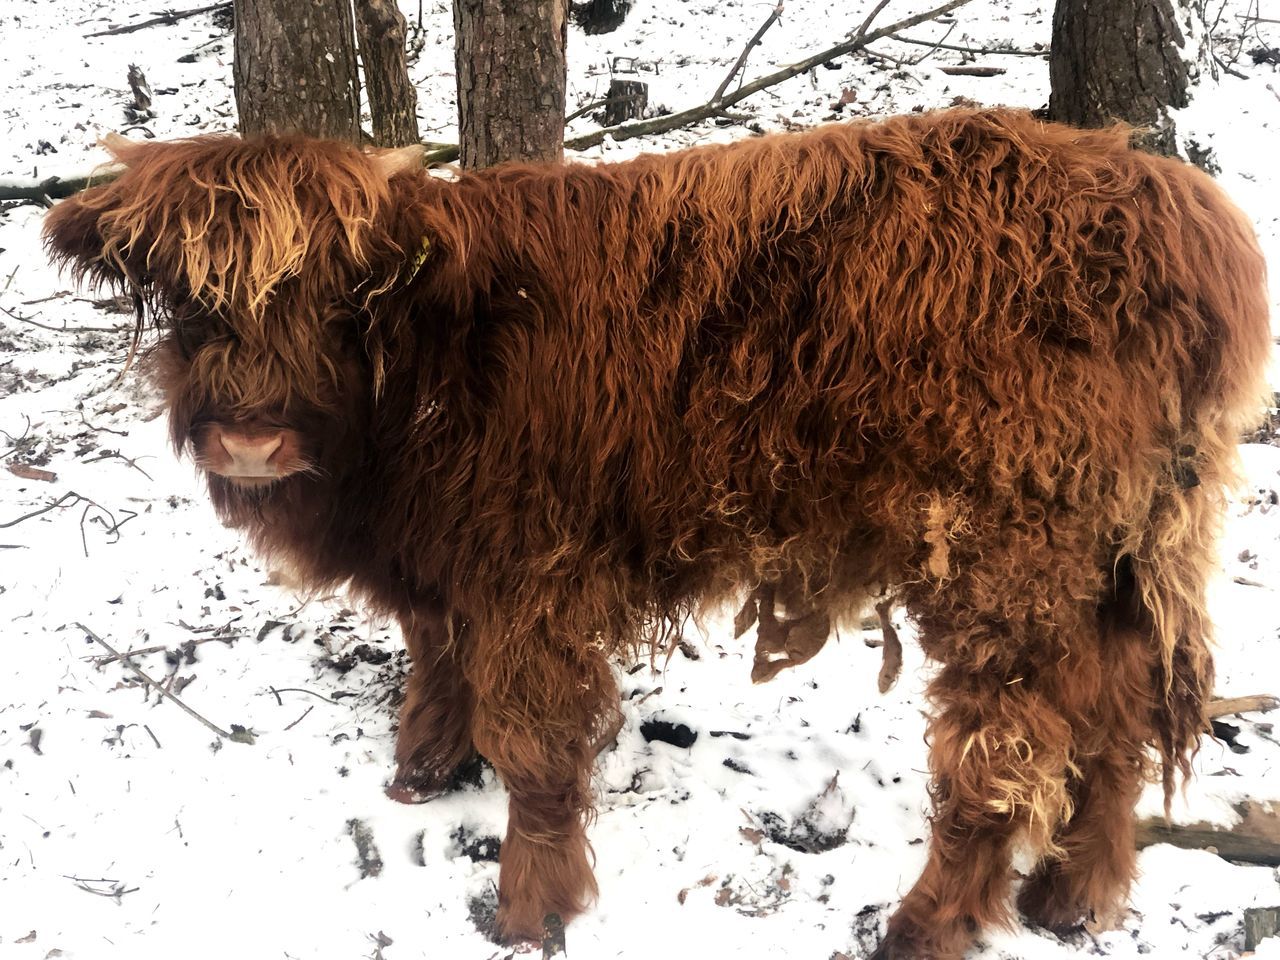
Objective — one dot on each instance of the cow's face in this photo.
(257, 261)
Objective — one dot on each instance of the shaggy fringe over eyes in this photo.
(226, 223)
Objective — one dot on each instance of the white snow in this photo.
(244, 850)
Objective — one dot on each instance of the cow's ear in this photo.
(73, 236)
(73, 230)
(389, 163)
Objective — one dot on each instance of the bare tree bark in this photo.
(1127, 60)
(511, 79)
(393, 103)
(295, 68)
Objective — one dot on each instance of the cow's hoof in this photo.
(404, 792)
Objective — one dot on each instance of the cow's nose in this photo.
(251, 454)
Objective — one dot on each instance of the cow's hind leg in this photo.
(435, 721)
(1089, 869)
(1013, 623)
(542, 714)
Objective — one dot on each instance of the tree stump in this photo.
(1260, 923)
(627, 100)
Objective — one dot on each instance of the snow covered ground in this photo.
(791, 825)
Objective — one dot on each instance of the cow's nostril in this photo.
(251, 455)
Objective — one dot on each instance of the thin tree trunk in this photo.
(1127, 60)
(511, 79)
(393, 103)
(295, 68)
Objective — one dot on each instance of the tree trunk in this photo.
(295, 68)
(511, 79)
(393, 103)
(1127, 60)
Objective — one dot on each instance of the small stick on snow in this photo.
(279, 690)
(123, 658)
(972, 71)
(301, 718)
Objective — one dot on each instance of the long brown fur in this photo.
(992, 366)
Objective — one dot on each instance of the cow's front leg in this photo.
(435, 720)
(544, 705)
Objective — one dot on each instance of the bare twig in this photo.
(934, 49)
(118, 890)
(45, 509)
(866, 24)
(746, 52)
(123, 658)
(153, 737)
(117, 455)
(279, 690)
(94, 426)
(102, 660)
(300, 719)
(64, 328)
(1229, 70)
(112, 528)
(16, 441)
(165, 19)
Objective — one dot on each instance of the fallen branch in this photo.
(238, 736)
(55, 188)
(1258, 703)
(974, 51)
(1255, 839)
(165, 19)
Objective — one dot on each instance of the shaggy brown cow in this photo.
(992, 366)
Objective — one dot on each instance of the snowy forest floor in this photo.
(789, 828)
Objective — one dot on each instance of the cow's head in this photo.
(258, 261)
